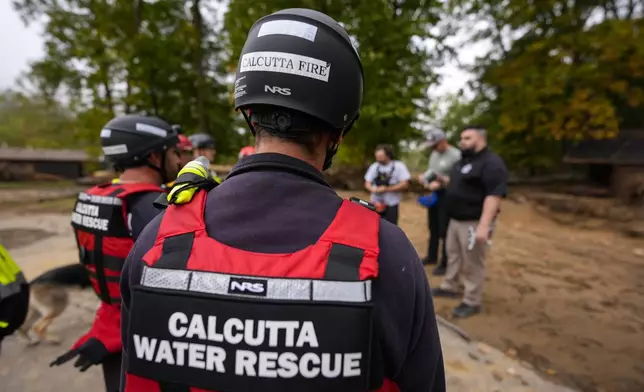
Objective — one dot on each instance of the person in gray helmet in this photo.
(204, 145)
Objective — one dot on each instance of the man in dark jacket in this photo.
(270, 234)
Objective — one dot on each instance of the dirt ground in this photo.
(568, 302)
(40, 239)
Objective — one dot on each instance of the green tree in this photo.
(398, 68)
(32, 121)
(107, 57)
(558, 70)
(453, 112)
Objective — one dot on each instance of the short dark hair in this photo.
(478, 128)
(387, 148)
(306, 132)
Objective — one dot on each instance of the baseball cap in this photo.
(434, 137)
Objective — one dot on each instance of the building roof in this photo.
(623, 150)
(42, 154)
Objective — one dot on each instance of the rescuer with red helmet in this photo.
(185, 149)
(245, 152)
(106, 221)
(271, 281)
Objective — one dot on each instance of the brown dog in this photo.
(49, 298)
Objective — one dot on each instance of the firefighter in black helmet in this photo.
(271, 281)
(108, 218)
(204, 145)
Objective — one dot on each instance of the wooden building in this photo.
(614, 163)
(36, 163)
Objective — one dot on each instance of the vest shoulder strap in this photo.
(130, 189)
(184, 218)
(123, 190)
(354, 225)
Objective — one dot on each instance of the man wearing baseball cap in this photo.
(441, 161)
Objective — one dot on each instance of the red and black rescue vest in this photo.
(209, 317)
(102, 235)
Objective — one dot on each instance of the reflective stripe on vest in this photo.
(12, 288)
(275, 288)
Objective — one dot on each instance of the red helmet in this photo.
(184, 143)
(246, 151)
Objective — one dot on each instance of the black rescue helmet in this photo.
(202, 140)
(303, 60)
(130, 139)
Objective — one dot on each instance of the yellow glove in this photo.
(186, 183)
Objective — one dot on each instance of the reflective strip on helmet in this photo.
(151, 129)
(288, 27)
(257, 287)
(97, 199)
(115, 150)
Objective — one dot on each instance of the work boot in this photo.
(439, 292)
(428, 261)
(440, 270)
(465, 310)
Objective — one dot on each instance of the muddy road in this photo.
(569, 301)
(566, 302)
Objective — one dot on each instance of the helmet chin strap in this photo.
(160, 169)
(332, 151)
(250, 124)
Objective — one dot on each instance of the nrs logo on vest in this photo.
(247, 286)
(287, 337)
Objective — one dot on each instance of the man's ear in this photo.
(155, 159)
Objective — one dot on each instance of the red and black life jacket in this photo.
(209, 317)
(102, 235)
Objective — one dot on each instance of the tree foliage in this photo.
(107, 57)
(559, 70)
(398, 69)
(33, 122)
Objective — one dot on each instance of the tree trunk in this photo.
(138, 14)
(197, 24)
(108, 93)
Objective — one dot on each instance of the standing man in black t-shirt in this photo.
(476, 186)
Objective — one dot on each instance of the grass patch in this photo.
(64, 205)
(36, 184)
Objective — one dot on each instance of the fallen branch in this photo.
(459, 331)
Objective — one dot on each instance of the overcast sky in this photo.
(20, 45)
